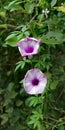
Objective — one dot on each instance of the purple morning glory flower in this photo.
(28, 46)
(34, 81)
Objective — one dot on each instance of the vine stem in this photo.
(60, 95)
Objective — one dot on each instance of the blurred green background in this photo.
(43, 19)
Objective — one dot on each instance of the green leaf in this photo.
(20, 64)
(53, 38)
(35, 118)
(18, 102)
(24, 28)
(14, 5)
(17, 67)
(51, 41)
(2, 14)
(9, 110)
(29, 7)
(26, 33)
(1, 90)
(32, 101)
(4, 119)
(10, 86)
(13, 94)
(21, 91)
(6, 102)
(12, 40)
(10, 36)
(11, 4)
(54, 84)
(3, 26)
(42, 3)
(61, 127)
(61, 8)
(20, 36)
(55, 34)
(53, 2)
(41, 127)
(48, 74)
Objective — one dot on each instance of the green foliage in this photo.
(13, 38)
(18, 19)
(61, 127)
(35, 119)
(53, 38)
(21, 64)
(53, 2)
(29, 7)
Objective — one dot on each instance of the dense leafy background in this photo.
(18, 19)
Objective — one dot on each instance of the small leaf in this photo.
(32, 101)
(39, 24)
(10, 86)
(53, 38)
(48, 74)
(1, 90)
(53, 2)
(10, 36)
(18, 102)
(14, 5)
(9, 110)
(11, 40)
(55, 34)
(3, 26)
(6, 102)
(54, 84)
(26, 33)
(17, 67)
(4, 119)
(61, 8)
(41, 127)
(50, 41)
(24, 29)
(61, 127)
(29, 7)
(20, 36)
(20, 64)
(13, 94)
(2, 14)
(21, 91)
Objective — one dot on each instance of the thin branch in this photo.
(60, 95)
(11, 26)
(32, 18)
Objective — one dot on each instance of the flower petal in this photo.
(34, 88)
(28, 46)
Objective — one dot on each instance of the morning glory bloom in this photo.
(34, 81)
(28, 46)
